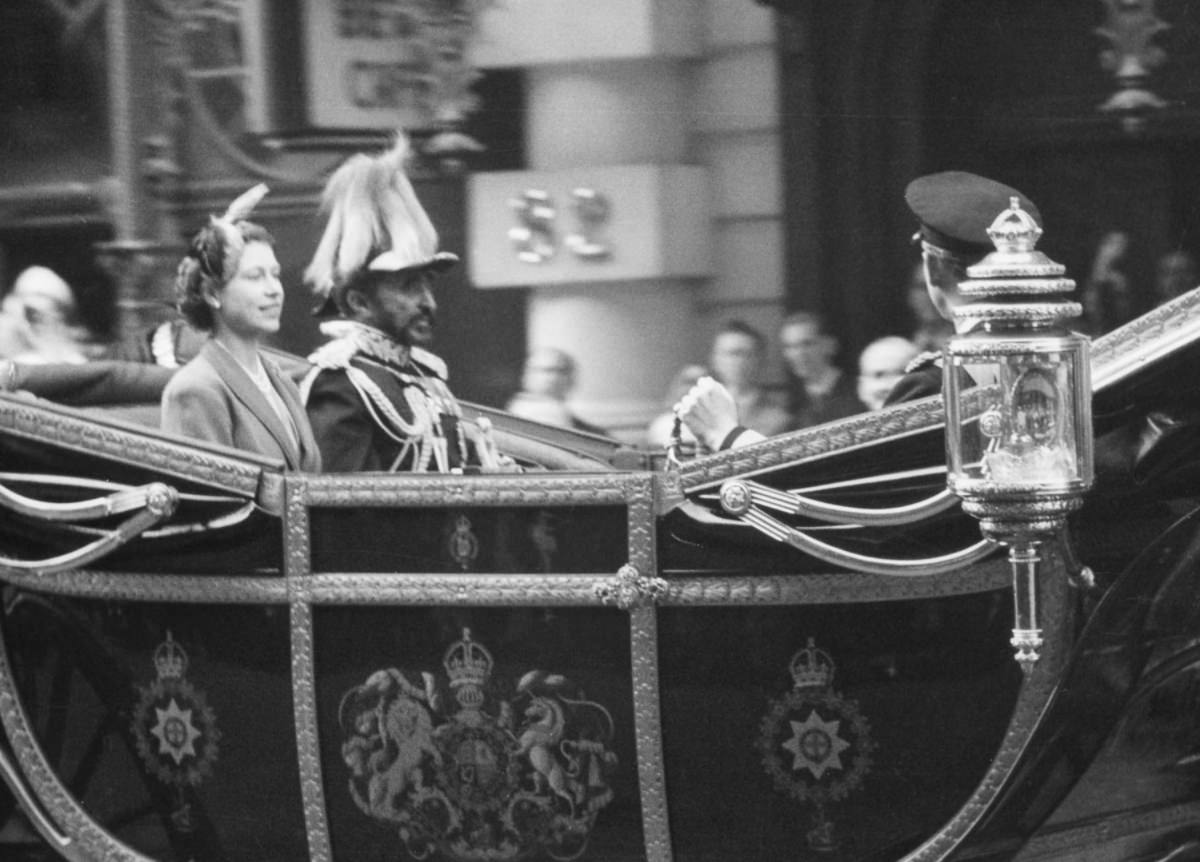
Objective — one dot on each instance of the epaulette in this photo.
(924, 360)
(430, 363)
(334, 354)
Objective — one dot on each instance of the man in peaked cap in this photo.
(954, 209)
(376, 397)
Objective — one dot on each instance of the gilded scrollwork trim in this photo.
(184, 589)
(80, 434)
(458, 589)
(1038, 686)
(349, 588)
(87, 840)
(648, 727)
(1140, 342)
(827, 589)
(491, 490)
(643, 490)
(304, 686)
(1125, 824)
(835, 438)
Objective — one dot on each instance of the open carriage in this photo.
(207, 658)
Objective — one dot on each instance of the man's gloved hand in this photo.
(709, 411)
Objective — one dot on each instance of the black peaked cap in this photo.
(956, 208)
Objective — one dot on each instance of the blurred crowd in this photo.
(816, 388)
(40, 321)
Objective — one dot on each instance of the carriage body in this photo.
(225, 660)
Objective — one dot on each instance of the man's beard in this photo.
(418, 332)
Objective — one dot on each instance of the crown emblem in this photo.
(811, 667)
(1014, 230)
(468, 665)
(170, 659)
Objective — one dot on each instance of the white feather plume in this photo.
(371, 208)
(245, 203)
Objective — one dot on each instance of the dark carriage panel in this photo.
(796, 730)
(478, 732)
(170, 724)
(446, 539)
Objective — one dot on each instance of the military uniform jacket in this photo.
(376, 405)
(923, 378)
(838, 403)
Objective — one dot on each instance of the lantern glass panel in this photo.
(1032, 431)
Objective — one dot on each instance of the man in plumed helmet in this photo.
(376, 397)
(954, 209)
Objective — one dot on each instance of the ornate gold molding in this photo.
(41, 421)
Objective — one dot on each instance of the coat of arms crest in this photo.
(471, 775)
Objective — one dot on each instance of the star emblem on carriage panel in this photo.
(816, 745)
(175, 732)
(464, 774)
(174, 729)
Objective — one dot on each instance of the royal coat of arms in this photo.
(471, 775)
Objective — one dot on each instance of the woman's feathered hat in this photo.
(375, 223)
(213, 255)
(217, 247)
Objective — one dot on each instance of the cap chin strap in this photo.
(940, 253)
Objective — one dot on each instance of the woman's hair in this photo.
(211, 261)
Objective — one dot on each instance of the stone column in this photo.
(628, 336)
(610, 113)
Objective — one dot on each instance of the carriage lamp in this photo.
(1019, 448)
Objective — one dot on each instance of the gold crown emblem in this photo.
(1014, 230)
(170, 659)
(811, 667)
(468, 665)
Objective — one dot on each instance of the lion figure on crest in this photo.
(391, 737)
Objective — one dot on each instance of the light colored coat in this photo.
(213, 398)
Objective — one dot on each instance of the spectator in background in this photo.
(880, 365)
(818, 391)
(546, 382)
(38, 320)
(736, 360)
(1108, 296)
(1174, 275)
